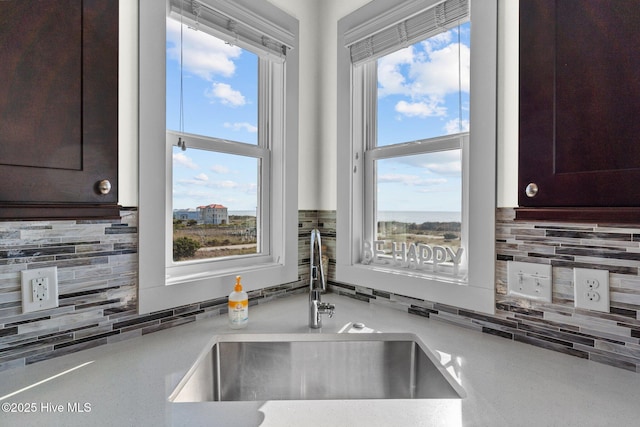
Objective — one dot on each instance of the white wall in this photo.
(318, 29)
(507, 165)
(317, 143)
(128, 105)
(331, 13)
(317, 136)
(309, 151)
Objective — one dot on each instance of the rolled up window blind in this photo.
(234, 24)
(424, 24)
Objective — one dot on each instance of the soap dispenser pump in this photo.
(238, 306)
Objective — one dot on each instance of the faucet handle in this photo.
(327, 308)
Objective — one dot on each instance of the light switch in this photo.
(529, 280)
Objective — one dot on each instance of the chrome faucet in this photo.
(317, 284)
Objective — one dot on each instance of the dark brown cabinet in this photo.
(579, 118)
(58, 108)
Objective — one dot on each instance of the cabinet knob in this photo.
(104, 186)
(531, 190)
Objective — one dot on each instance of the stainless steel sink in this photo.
(261, 367)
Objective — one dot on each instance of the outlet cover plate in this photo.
(39, 289)
(591, 289)
(529, 280)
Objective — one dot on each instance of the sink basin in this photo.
(260, 367)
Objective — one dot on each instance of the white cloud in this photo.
(441, 163)
(438, 41)
(420, 109)
(216, 185)
(191, 182)
(226, 94)
(190, 193)
(181, 160)
(411, 180)
(456, 126)
(251, 188)
(202, 55)
(202, 177)
(194, 192)
(390, 77)
(443, 72)
(221, 169)
(248, 127)
(450, 168)
(227, 184)
(426, 77)
(397, 178)
(431, 182)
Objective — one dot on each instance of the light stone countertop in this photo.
(507, 383)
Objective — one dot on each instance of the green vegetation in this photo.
(184, 247)
(238, 237)
(421, 228)
(430, 233)
(450, 236)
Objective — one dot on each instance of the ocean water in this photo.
(417, 217)
(243, 213)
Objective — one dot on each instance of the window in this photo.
(218, 132)
(213, 107)
(414, 163)
(419, 151)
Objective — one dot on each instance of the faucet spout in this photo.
(317, 283)
(317, 279)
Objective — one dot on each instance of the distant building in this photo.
(186, 214)
(213, 214)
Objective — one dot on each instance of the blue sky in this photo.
(418, 98)
(220, 99)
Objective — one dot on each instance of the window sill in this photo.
(262, 269)
(461, 293)
(417, 273)
(190, 289)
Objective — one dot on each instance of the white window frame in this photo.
(365, 89)
(355, 209)
(163, 283)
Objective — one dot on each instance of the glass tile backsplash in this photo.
(97, 268)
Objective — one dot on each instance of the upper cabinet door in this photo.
(579, 105)
(58, 108)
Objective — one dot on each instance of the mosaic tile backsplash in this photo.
(612, 338)
(97, 276)
(97, 268)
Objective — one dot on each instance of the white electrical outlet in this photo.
(591, 289)
(529, 280)
(39, 289)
